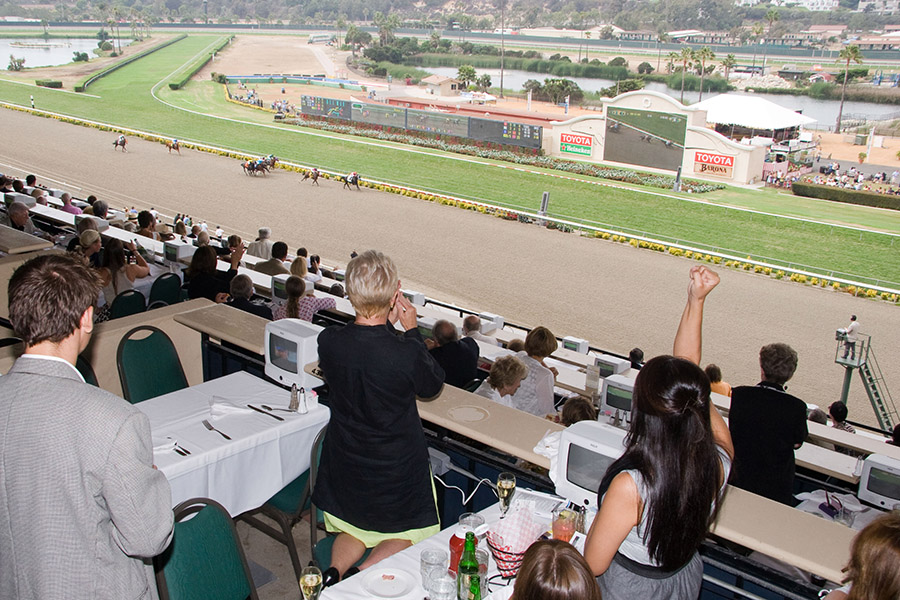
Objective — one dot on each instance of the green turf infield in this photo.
(137, 96)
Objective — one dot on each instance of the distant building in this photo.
(884, 42)
(638, 36)
(440, 85)
(819, 5)
(879, 7)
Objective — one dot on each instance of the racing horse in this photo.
(173, 145)
(254, 167)
(351, 179)
(120, 141)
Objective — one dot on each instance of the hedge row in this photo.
(199, 64)
(84, 83)
(48, 83)
(837, 194)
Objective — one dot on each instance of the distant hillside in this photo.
(650, 15)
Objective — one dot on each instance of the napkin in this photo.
(163, 444)
(518, 530)
(220, 407)
(549, 448)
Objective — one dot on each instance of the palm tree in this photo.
(772, 15)
(661, 38)
(849, 53)
(673, 58)
(728, 63)
(686, 57)
(386, 25)
(703, 54)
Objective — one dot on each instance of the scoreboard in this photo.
(505, 132)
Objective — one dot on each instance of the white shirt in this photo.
(535, 395)
(851, 331)
(485, 390)
(477, 335)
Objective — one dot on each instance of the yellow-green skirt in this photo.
(372, 538)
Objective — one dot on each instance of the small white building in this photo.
(439, 85)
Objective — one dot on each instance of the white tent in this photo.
(751, 112)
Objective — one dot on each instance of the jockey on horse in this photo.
(351, 179)
(314, 175)
(120, 141)
(174, 145)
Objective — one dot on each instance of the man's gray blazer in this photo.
(80, 503)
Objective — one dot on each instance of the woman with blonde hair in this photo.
(506, 375)
(301, 303)
(374, 482)
(554, 570)
(873, 572)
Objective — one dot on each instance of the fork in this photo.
(209, 426)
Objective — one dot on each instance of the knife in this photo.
(259, 410)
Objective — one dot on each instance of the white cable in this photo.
(465, 499)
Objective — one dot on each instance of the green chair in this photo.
(286, 508)
(166, 288)
(205, 560)
(86, 370)
(320, 550)
(148, 367)
(129, 302)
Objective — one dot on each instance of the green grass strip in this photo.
(199, 63)
(84, 83)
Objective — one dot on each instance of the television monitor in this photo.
(575, 344)
(425, 326)
(174, 252)
(10, 197)
(617, 391)
(611, 365)
(416, 298)
(279, 290)
(290, 345)
(879, 483)
(339, 274)
(491, 322)
(102, 224)
(586, 450)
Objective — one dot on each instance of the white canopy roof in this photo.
(750, 111)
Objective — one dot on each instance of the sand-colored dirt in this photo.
(612, 294)
(833, 145)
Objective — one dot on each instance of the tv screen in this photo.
(171, 253)
(618, 398)
(884, 483)
(283, 353)
(606, 369)
(278, 289)
(585, 468)
(426, 333)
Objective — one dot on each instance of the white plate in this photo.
(388, 583)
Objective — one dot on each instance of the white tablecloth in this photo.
(262, 457)
(407, 561)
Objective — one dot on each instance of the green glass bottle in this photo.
(468, 580)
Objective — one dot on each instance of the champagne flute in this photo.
(311, 583)
(506, 489)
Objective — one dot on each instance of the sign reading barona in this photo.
(719, 165)
(576, 144)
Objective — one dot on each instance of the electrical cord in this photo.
(467, 499)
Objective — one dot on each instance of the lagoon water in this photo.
(60, 53)
(824, 111)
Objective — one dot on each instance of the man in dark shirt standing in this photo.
(767, 424)
(458, 357)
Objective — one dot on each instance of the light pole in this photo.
(502, 49)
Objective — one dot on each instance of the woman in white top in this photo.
(507, 374)
(535, 395)
(116, 274)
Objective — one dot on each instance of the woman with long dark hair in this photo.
(658, 500)
(116, 273)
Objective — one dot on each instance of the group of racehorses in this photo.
(260, 165)
(253, 166)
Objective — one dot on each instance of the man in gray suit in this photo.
(80, 502)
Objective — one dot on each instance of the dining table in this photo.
(264, 453)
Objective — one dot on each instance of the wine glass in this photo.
(311, 583)
(506, 489)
